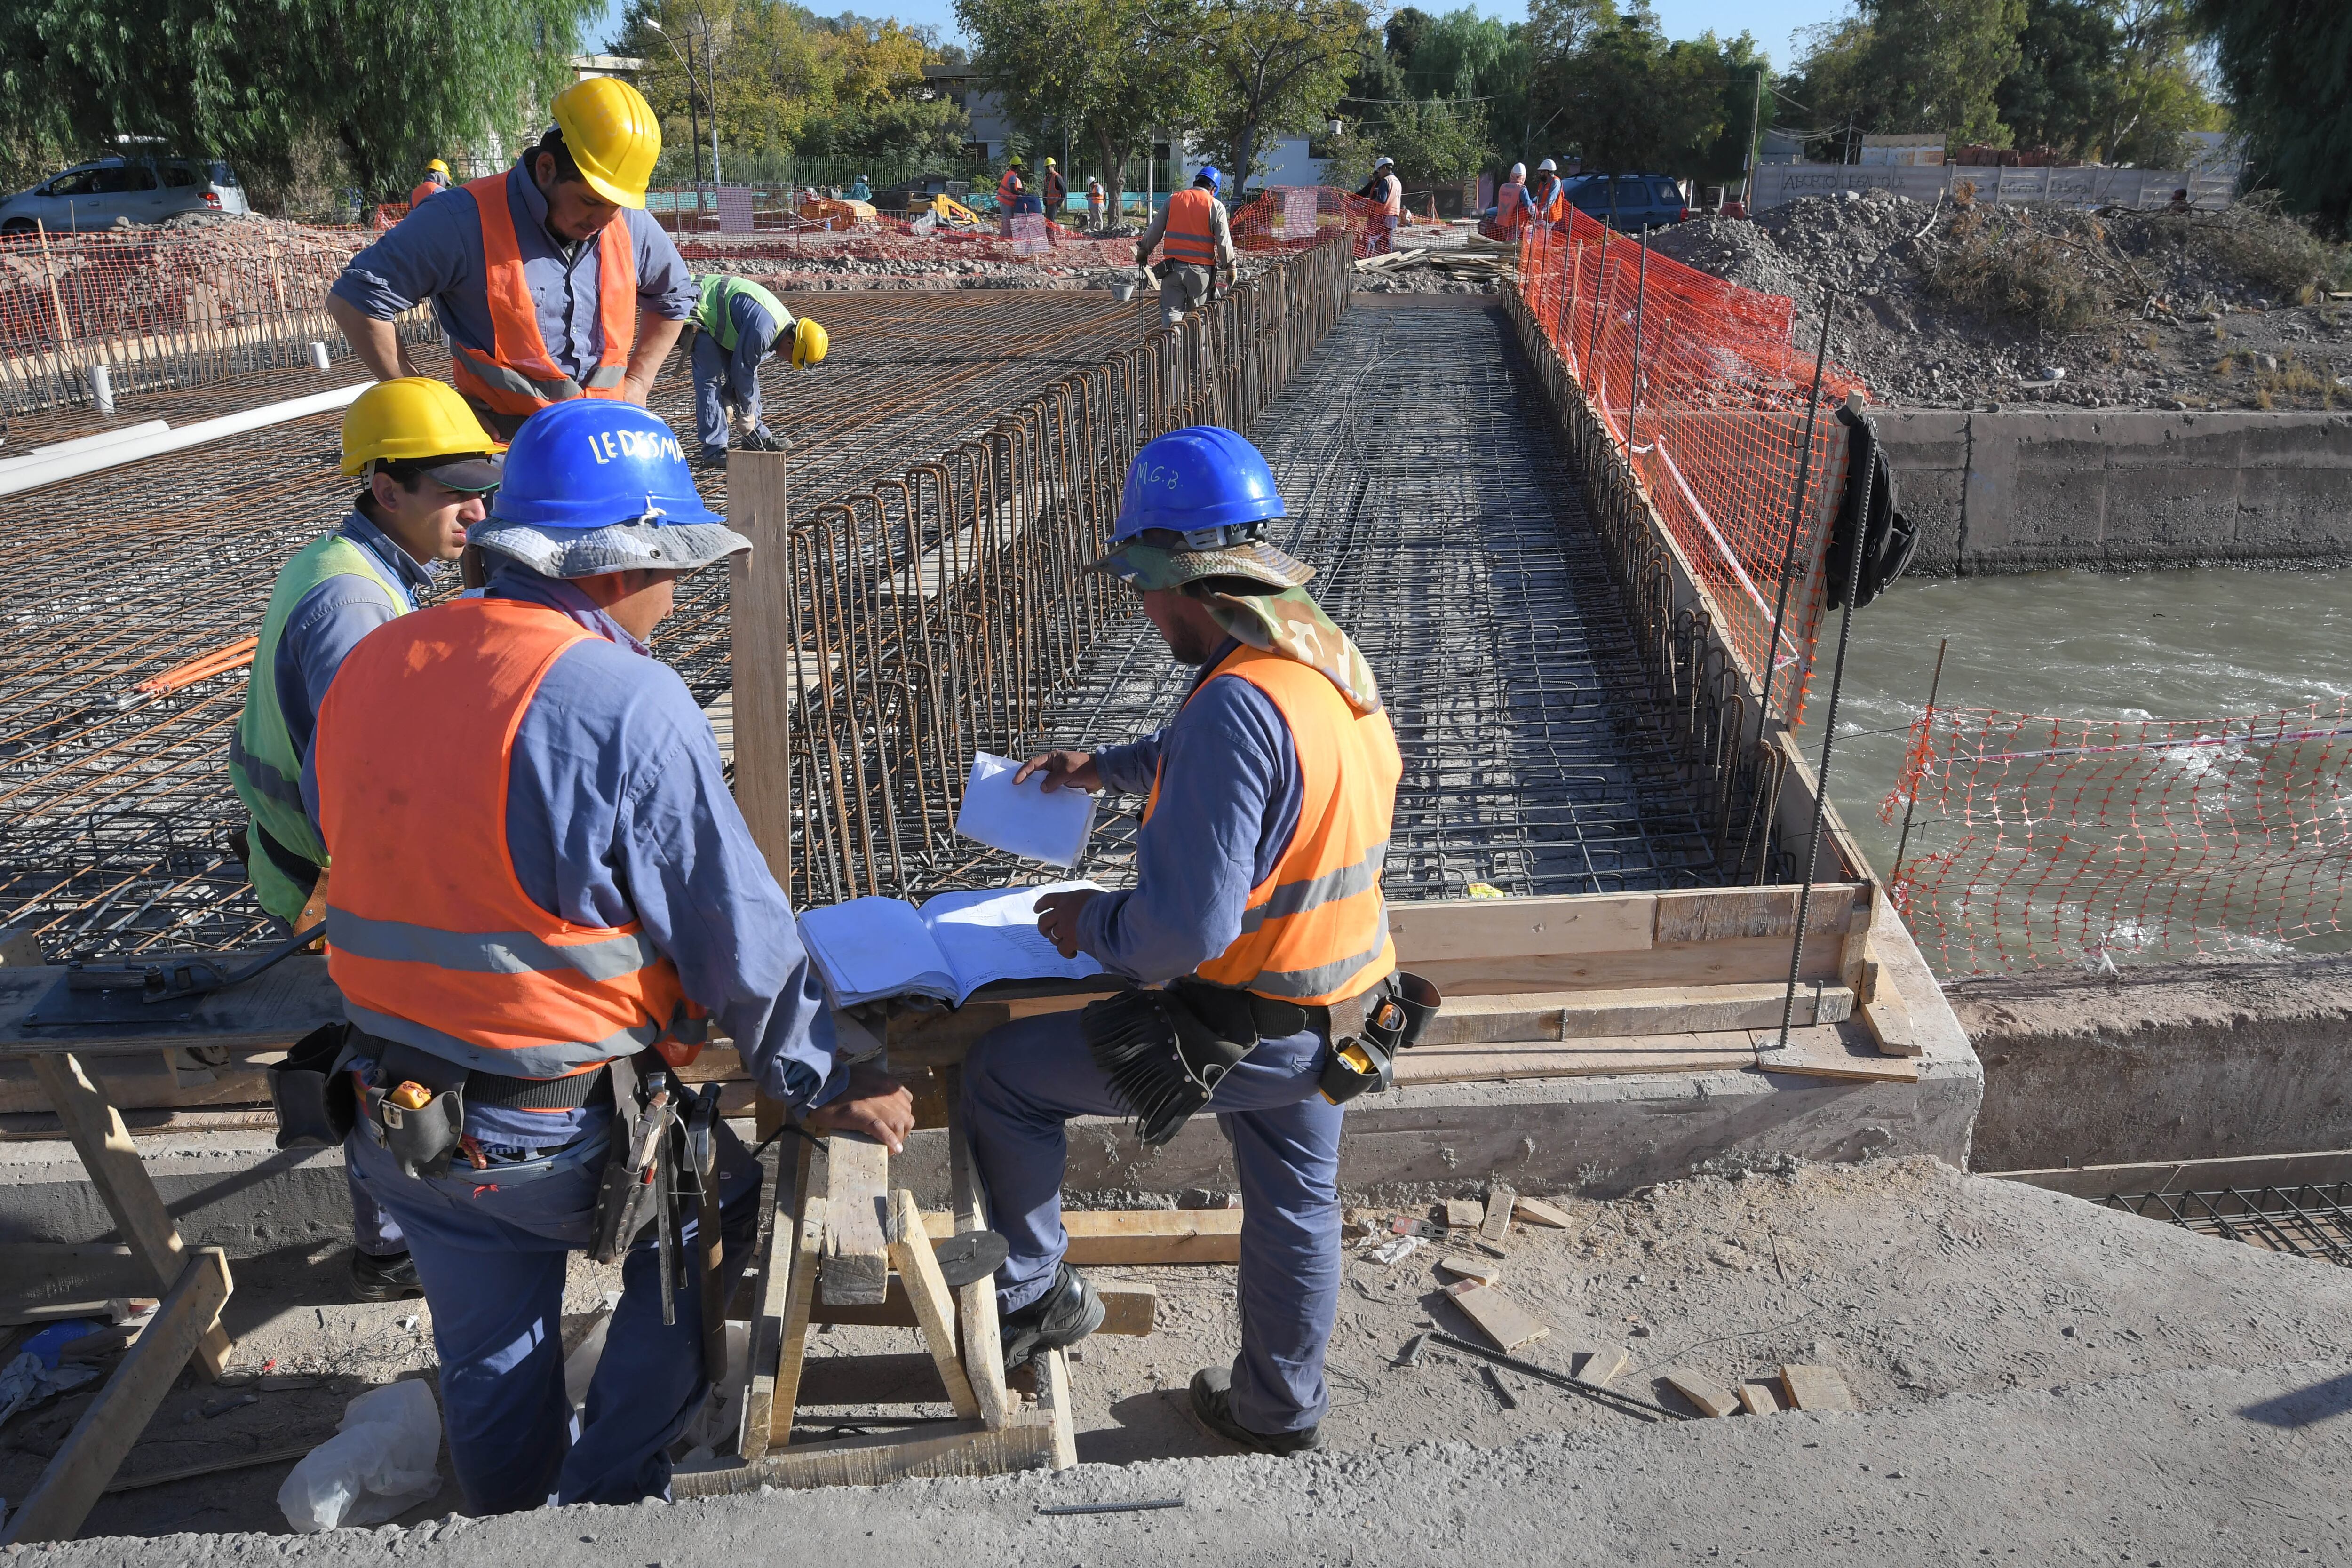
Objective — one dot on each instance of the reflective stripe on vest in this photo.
(716, 313)
(1191, 234)
(263, 767)
(445, 950)
(1317, 930)
(520, 376)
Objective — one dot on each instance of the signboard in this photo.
(734, 210)
(1029, 235)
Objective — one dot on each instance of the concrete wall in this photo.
(2036, 491)
(2180, 1062)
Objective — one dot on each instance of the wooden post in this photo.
(767, 660)
(983, 1348)
(857, 1267)
(57, 300)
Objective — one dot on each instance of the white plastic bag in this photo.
(381, 1461)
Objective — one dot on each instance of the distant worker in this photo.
(1512, 207)
(860, 191)
(1544, 199)
(1385, 188)
(1094, 203)
(543, 296)
(2180, 203)
(1057, 191)
(1256, 918)
(542, 890)
(423, 465)
(1200, 244)
(738, 327)
(436, 180)
(1009, 189)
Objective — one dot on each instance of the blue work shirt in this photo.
(327, 622)
(755, 339)
(435, 253)
(617, 810)
(1230, 793)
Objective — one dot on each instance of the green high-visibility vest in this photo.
(262, 761)
(715, 315)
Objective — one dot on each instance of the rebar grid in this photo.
(115, 808)
(1450, 544)
(2313, 1220)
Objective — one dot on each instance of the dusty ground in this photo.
(1953, 1306)
(2169, 316)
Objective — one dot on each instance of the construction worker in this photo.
(1258, 899)
(1057, 191)
(1512, 207)
(1009, 188)
(1546, 196)
(1385, 188)
(738, 326)
(425, 466)
(1200, 244)
(860, 191)
(436, 180)
(1094, 203)
(551, 282)
(543, 886)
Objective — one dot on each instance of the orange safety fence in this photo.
(2036, 841)
(1701, 385)
(1276, 219)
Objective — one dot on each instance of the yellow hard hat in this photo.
(1049, 162)
(437, 166)
(809, 343)
(413, 419)
(610, 133)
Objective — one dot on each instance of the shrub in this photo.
(2002, 266)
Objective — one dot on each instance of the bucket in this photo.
(1122, 292)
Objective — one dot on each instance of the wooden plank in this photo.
(1054, 1403)
(1534, 1211)
(269, 1012)
(1762, 1398)
(1499, 1318)
(779, 1244)
(763, 612)
(1130, 1308)
(1463, 1213)
(1517, 928)
(1574, 1016)
(1023, 1445)
(984, 1344)
(1838, 1050)
(1711, 1398)
(40, 1279)
(1739, 960)
(1816, 1388)
(1889, 1019)
(807, 1256)
(1106, 1238)
(1718, 914)
(1480, 1270)
(285, 1454)
(1496, 1224)
(77, 1473)
(1728, 1052)
(911, 1253)
(856, 1268)
(1600, 1365)
(114, 1168)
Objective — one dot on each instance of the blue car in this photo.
(1630, 203)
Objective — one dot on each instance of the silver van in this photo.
(143, 190)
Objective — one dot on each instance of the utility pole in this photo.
(710, 86)
(693, 114)
(1754, 128)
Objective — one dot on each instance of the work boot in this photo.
(1063, 1316)
(1212, 1404)
(390, 1278)
(762, 439)
(716, 455)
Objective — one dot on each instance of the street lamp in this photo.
(708, 86)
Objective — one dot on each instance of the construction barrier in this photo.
(2035, 841)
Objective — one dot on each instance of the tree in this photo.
(392, 83)
(1626, 99)
(2286, 68)
(1908, 67)
(2066, 56)
(1271, 67)
(2156, 93)
(1106, 72)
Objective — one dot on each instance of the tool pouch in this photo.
(1363, 1060)
(421, 1138)
(315, 1102)
(1165, 1051)
(610, 1232)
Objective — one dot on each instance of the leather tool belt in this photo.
(423, 1137)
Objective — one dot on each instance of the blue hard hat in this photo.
(1216, 181)
(1196, 504)
(597, 484)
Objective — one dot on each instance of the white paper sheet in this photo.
(875, 947)
(993, 935)
(1023, 819)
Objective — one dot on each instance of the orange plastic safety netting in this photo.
(1701, 384)
(1291, 217)
(2037, 841)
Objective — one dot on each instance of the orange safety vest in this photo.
(1007, 188)
(1190, 236)
(1316, 930)
(519, 377)
(423, 188)
(1546, 199)
(1393, 203)
(1507, 210)
(444, 951)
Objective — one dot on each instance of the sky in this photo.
(1772, 21)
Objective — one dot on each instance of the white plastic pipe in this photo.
(82, 444)
(101, 388)
(319, 359)
(31, 476)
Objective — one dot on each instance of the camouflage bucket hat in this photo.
(1145, 565)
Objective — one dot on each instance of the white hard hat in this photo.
(1382, 162)
(1546, 167)
(1518, 171)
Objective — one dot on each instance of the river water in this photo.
(2189, 645)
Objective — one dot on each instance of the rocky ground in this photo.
(1936, 307)
(1988, 1332)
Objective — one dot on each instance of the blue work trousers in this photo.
(717, 384)
(491, 1255)
(1023, 1081)
(374, 1231)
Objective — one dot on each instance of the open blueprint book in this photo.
(953, 945)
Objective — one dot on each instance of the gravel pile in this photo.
(2149, 309)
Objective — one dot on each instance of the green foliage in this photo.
(1106, 73)
(1908, 67)
(2286, 68)
(2056, 95)
(391, 83)
(1274, 67)
(2002, 265)
(2155, 91)
(1626, 99)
